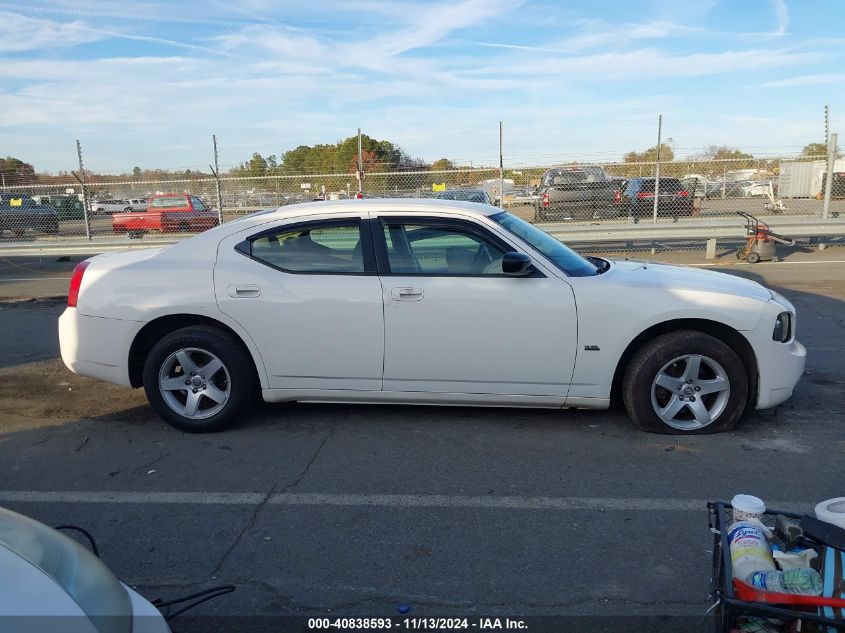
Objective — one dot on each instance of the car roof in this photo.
(411, 206)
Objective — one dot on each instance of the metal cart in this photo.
(733, 600)
(760, 240)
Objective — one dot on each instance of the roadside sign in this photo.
(438, 186)
(305, 185)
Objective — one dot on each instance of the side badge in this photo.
(592, 348)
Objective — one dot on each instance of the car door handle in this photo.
(407, 294)
(243, 291)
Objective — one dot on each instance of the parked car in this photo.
(112, 205)
(20, 214)
(423, 302)
(636, 200)
(51, 584)
(68, 207)
(757, 188)
(167, 213)
(578, 192)
(467, 195)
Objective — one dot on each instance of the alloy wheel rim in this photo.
(690, 392)
(194, 383)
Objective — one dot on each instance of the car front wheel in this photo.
(199, 379)
(685, 382)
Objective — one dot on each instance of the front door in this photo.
(454, 323)
(308, 294)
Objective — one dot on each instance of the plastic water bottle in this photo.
(803, 581)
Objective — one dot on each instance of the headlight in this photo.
(783, 328)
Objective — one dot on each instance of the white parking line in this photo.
(648, 504)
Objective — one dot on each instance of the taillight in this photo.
(617, 196)
(683, 193)
(546, 199)
(75, 283)
(645, 194)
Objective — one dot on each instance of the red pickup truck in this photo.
(166, 213)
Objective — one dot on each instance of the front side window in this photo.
(198, 204)
(324, 249)
(429, 249)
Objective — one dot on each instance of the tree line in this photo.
(342, 158)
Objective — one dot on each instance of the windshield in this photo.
(563, 257)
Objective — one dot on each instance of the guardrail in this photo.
(695, 229)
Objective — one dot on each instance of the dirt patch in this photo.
(45, 393)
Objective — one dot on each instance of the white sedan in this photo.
(424, 302)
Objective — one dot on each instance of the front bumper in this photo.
(780, 367)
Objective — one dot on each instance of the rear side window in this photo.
(667, 185)
(169, 202)
(318, 249)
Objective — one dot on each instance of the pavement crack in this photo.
(311, 461)
(253, 518)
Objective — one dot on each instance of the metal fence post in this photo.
(81, 179)
(360, 164)
(657, 166)
(216, 171)
(724, 180)
(828, 183)
(501, 171)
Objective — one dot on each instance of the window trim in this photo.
(244, 247)
(378, 224)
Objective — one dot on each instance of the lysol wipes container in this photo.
(750, 551)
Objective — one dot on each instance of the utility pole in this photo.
(360, 164)
(828, 183)
(81, 179)
(657, 167)
(501, 171)
(216, 171)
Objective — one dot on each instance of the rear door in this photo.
(307, 292)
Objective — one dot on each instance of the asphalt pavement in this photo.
(354, 510)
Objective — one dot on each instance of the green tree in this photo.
(723, 152)
(650, 155)
(817, 150)
(256, 166)
(14, 171)
(136, 171)
(442, 164)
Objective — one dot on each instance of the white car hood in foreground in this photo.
(648, 274)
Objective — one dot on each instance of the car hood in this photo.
(671, 277)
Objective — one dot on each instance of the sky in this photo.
(147, 83)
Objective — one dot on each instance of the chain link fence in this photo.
(694, 193)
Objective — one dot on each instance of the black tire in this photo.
(237, 362)
(656, 354)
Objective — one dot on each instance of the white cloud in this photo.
(782, 14)
(20, 33)
(807, 80)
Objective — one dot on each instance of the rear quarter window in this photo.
(169, 202)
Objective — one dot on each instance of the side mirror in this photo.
(516, 264)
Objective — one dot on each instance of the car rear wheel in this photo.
(685, 383)
(199, 379)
